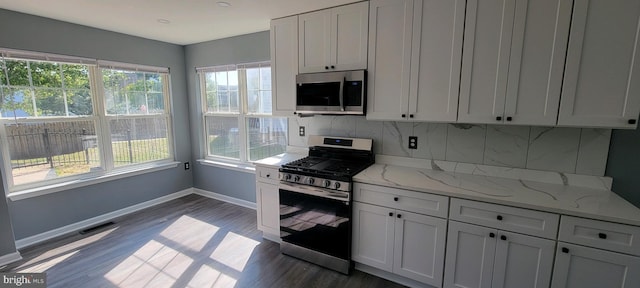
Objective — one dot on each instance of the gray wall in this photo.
(623, 164)
(40, 214)
(235, 50)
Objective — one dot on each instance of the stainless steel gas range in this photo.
(316, 200)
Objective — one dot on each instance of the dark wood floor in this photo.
(188, 242)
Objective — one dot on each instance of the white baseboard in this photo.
(390, 276)
(10, 258)
(225, 198)
(35, 239)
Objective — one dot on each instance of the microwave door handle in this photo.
(342, 104)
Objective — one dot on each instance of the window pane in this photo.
(155, 103)
(265, 78)
(153, 82)
(139, 140)
(18, 72)
(265, 102)
(79, 102)
(50, 102)
(45, 74)
(221, 90)
(130, 93)
(3, 76)
(50, 150)
(223, 136)
(76, 77)
(253, 101)
(16, 103)
(253, 79)
(259, 90)
(267, 137)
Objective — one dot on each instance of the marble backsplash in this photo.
(571, 150)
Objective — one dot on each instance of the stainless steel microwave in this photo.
(334, 93)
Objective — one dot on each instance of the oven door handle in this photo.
(324, 193)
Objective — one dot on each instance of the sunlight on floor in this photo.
(153, 263)
(159, 264)
(234, 251)
(50, 258)
(209, 277)
(190, 233)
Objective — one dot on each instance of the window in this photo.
(238, 125)
(65, 118)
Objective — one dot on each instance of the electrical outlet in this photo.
(186, 166)
(413, 142)
(301, 132)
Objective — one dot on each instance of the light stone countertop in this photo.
(279, 160)
(595, 203)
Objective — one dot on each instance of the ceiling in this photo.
(190, 21)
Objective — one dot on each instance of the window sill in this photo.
(44, 190)
(236, 166)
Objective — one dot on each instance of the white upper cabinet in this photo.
(440, 27)
(601, 82)
(389, 70)
(415, 50)
(513, 61)
(334, 39)
(284, 64)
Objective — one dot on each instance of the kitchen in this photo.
(476, 140)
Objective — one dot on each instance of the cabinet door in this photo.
(522, 261)
(419, 247)
(349, 33)
(389, 72)
(485, 63)
(268, 208)
(314, 34)
(536, 61)
(439, 25)
(582, 267)
(284, 65)
(470, 255)
(373, 235)
(602, 79)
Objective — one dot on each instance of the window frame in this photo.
(242, 115)
(100, 120)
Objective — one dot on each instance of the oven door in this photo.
(316, 219)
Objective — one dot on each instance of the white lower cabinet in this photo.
(583, 267)
(268, 208)
(407, 244)
(478, 256)
(267, 202)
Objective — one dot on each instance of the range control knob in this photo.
(296, 178)
(287, 177)
(311, 181)
(336, 185)
(326, 183)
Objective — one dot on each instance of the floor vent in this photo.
(96, 228)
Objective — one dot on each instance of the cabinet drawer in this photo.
(266, 174)
(507, 218)
(412, 201)
(599, 234)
